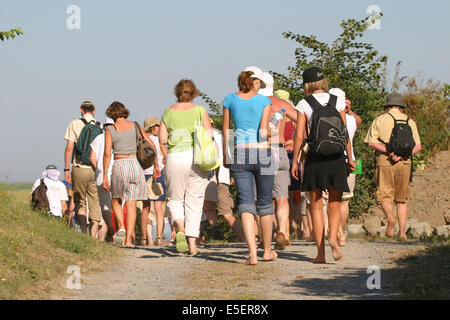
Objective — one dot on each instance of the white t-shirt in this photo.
(56, 192)
(351, 129)
(224, 173)
(98, 145)
(159, 154)
(323, 98)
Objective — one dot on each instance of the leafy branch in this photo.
(10, 34)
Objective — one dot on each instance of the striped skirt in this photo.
(128, 180)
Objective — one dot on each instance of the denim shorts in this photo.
(250, 166)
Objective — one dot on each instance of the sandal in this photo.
(144, 242)
(181, 243)
(158, 241)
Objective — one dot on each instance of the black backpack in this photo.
(328, 134)
(83, 144)
(402, 141)
(39, 199)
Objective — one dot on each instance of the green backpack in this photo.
(83, 144)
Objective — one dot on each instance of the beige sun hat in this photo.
(150, 122)
(154, 189)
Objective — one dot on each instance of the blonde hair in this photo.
(310, 87)
(186, 91)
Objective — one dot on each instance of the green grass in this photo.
(35, 252)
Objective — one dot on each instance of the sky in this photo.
(136, 51)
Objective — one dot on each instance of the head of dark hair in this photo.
(87, 106)
(117, 110)
(245, 81)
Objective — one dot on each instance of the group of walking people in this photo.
(273, 151)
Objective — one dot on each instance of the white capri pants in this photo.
(186, 185)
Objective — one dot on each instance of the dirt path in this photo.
(162, 273)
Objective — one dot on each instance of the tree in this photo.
(10, 34)
(355, 67)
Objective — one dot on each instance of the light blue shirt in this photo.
(246, 115)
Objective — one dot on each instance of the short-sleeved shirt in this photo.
(56, 192)
(180, 126)
(382, 128)
(323, 98)
(98, 146)
(247, 115)
(73, 132)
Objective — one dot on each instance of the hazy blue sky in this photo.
(136, 51)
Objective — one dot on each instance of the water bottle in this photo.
(276, 118)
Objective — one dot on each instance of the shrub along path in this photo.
(218, 273)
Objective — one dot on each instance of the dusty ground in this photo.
(163, 274)
(430, 193)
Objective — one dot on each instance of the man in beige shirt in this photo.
(83, 176)
(393, 172)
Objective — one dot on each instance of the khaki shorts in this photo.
(84, 187)
(282, 178)
(393, 182)
(211, 190)
(225, 204)
(351, 185)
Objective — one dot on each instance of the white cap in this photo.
(109, 120)
(257, 73)
(338, 93)
(267, 78)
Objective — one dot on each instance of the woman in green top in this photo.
(186, 182)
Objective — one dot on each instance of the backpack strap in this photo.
(315, 105)
(97, 123)
(333, 100)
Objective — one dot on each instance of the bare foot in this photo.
(280, 241)
(335, 250)
(319, 260)
(272, 255)
(342, 241)
(251, 262)
(390, 232)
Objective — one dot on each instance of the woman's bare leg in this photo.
(248, 227)
(334, 218)
(131, 220)
(318, 225)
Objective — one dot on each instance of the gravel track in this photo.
(159, 273)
